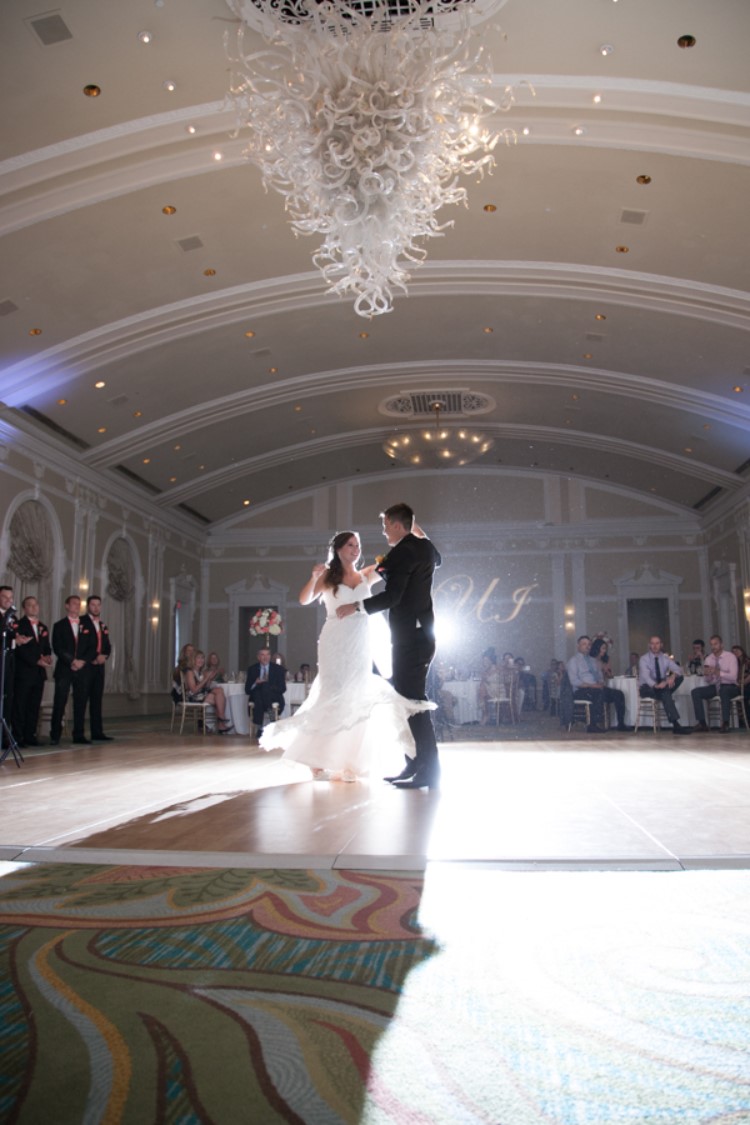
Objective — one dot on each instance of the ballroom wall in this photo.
(529, 562)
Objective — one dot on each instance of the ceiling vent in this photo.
(191, 243)
(118, 400)
(7, 307)
(635, 218)
(596, 337)
(50, 28)
(453, 403)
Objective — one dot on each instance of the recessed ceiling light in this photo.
(218, 155)
(92, 91)
(488, 330)
(146, 460)
(35, 332)
(169, 210)
(490, 208)
(102, 430)
(643, 179)
(273, 370)
(622, 249)
(600, 316)
(587, 355)
(246, 503)
(145, 37)
(706, 425)
(688, 449)
(209, 273)
(169, 85)
(99, 384)
(137, 413)
(738, 390)
(172, 480)
(579, 130)
(297, 409)
(364, 335)
(62, 402)
(597, 99)
(250, 335)
(177, 448)
(526, 131)
(201, 466)
(686, 41)
(574, 398)
(606, 49)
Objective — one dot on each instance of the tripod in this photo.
(12, 747)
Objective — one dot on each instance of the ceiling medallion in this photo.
(362, 115)
(440, 446)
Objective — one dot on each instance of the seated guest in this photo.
(743, 675)
(184, 661)
(633, 665)
(555, 680)
(214, 670)
(200, 689)
(303, 676)
(438, 693)
(526, 682)
(265, 684)
(695, 663)
(660, 678)
(600, 651)
(489, 685)
(721, 671)
(587, 682)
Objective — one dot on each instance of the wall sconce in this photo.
(746, 598)
(570, 626)
(83, 585)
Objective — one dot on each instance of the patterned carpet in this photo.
(142, 994)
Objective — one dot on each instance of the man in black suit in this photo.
(265, 684)
(96, 667)
(32, 661)
(9, 643)
(407, 571)
(74, 645)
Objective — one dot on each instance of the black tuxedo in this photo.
(96, 675)
(408, 569)
(67, 648)
(30, 678)
(264, 694)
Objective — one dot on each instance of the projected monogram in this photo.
(461, 590)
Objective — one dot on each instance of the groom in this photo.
(407, 571)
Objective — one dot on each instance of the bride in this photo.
(351, 713)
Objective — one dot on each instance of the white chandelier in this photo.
(363, 120)
(438, 446)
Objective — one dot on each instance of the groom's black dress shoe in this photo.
(408, 771)
(419, 781)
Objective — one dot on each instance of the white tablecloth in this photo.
(467, 707)
(629, 687)
(237, 703)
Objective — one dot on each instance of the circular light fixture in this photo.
(490, 208)
(169, 85)
(245, 503)
(173, 480)
(686, 41)
(622, 249)
(364, 335)
(441, 446)
(190, 129)
(249, 334)
(644, 179)
(209, 273)
(169, 210)
(137, 413)
(92, 91)
(597, 99)
(738, 390)
(579, 130)
(145, 37)
(102, 430)
(218, 156)
(587, 355)
(35, 332)
(62, 402)
(606, 49)
(99, 384)
(600, 316)
(272, 370)
(488, 330)
(146, 460)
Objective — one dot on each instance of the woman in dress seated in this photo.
(350, 713)
(200, 689)
(214, 669)
(600, 651)
(489, 686)
(743, 672)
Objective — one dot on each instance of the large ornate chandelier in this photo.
(440, 446)
(363, 120)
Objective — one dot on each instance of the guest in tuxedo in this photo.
(265, 684)
(74, 645)
(93, 617)
(31, 663)
(659, 678)
(407, 570)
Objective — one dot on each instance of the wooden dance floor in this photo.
(645, 802)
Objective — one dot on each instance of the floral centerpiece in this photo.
(266, 622)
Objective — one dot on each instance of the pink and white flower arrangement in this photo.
(266, 622)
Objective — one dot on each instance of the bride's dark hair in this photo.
(335, 572)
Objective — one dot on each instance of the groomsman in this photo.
(33, 658)
(74, 645)
(96, 668)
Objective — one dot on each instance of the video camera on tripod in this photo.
(7, 644)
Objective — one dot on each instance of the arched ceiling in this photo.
(631, 367)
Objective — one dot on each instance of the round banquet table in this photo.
(628, 685)
(237, 703)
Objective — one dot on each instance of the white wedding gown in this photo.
(352, 717)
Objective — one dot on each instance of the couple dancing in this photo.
(351, 713)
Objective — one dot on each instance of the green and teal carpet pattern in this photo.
(466, 996)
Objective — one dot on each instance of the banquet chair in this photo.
(581, 712)
(650, 713)
(202, 713)
(506, 697)
(737, 711)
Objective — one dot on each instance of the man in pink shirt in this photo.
(720, 669)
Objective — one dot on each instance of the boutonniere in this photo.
(104, 628)
(85, 632)
(43, 633)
